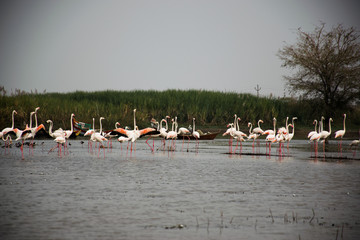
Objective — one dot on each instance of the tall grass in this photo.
(210, 108)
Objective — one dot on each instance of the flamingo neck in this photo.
(194, 125)
(250, 128)
(31, 119)
(12, 125)
(344, 122)
(330, 125)
(166, 125)
(274, 125)
(315, 125)
(50, 128)
(71, 123)
(293, 125)
(134, 121)
(100, 126)
(36, 123)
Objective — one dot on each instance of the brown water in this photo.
(203, 193)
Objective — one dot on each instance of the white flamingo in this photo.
(325, 134)
(9, 129)
(134, 134)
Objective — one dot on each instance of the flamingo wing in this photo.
(148, 131)
(121, 131)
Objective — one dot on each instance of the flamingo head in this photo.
(239, 118)
(249, 124)
(36, 109)
(49, 121)
(15, 112)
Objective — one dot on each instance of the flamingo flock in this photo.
(158, 130)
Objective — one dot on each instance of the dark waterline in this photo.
(203, 193)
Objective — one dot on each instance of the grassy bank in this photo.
(210, 108)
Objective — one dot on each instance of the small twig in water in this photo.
(231, 220)
(222, 218)
(271, 215)
(337, 233)
(197, 222)
(312, 216)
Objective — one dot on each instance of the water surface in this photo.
(190, 193)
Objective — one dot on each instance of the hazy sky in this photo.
(68, 45)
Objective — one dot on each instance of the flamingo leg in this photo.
(22, 150)
(152, 148)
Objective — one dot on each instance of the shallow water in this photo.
(202, 193)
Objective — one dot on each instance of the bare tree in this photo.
(327, 65)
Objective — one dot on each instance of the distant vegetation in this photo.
(210, 108)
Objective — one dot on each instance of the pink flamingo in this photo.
(9, 129)
(325, 134)
(290, 136)
(173, 133)
(238, 135)
(134, 134)
(341, 133)
(270, 135)
(195, 133)
(252, 135)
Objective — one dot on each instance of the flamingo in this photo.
(279, 137)
(313, 132)
(134, 134)
(163, 131)
(315, 138)
(325, 134)
(230, 131)
(59, 139)
(341, 133)
(173, 133)
(69, 132)
(252, 135)
(23, 134)
(9, 129)
(270, 135)
(238, 135)
(258, 129)
(290, 136)
(35, 129)
(195, 133)
(97, 136)
(7, 141)
(184, 132)
(56, 133)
